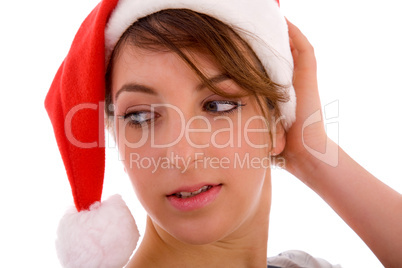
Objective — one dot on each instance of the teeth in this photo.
(190, 194)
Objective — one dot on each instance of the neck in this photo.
(247, 247)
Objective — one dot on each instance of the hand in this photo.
(356, 195)
(308, 103)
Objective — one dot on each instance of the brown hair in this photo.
(184, 31)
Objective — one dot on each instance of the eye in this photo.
(221, 106)
(139, 118)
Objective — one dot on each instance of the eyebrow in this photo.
(133, 87)
(213, 80)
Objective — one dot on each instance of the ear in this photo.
(278, 137)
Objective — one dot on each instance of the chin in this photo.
(201, 229)
(202, 236)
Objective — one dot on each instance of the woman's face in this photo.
(198, 161)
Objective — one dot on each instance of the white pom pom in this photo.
(103, 237)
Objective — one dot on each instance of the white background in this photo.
(358, 48)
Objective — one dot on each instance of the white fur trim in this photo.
(103, 237)
(260, 17)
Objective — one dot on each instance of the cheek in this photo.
(134, 150)
(247, 172)
(146, 184)
(249, 161)
(256, 135)
(130, 137)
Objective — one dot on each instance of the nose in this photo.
(189, 138)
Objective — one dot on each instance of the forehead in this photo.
(151, 67)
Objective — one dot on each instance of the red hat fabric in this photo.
(75, 107)
(101, 235)
(73, 104)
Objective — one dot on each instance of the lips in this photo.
(194, 197)
(191, 189)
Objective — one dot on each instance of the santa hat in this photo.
(95, 234)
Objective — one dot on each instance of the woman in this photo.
(165, 71)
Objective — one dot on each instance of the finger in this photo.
(305, 72)
(300, 43)
(294, 52)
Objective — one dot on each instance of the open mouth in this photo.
(191, 194)
(194, 198)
